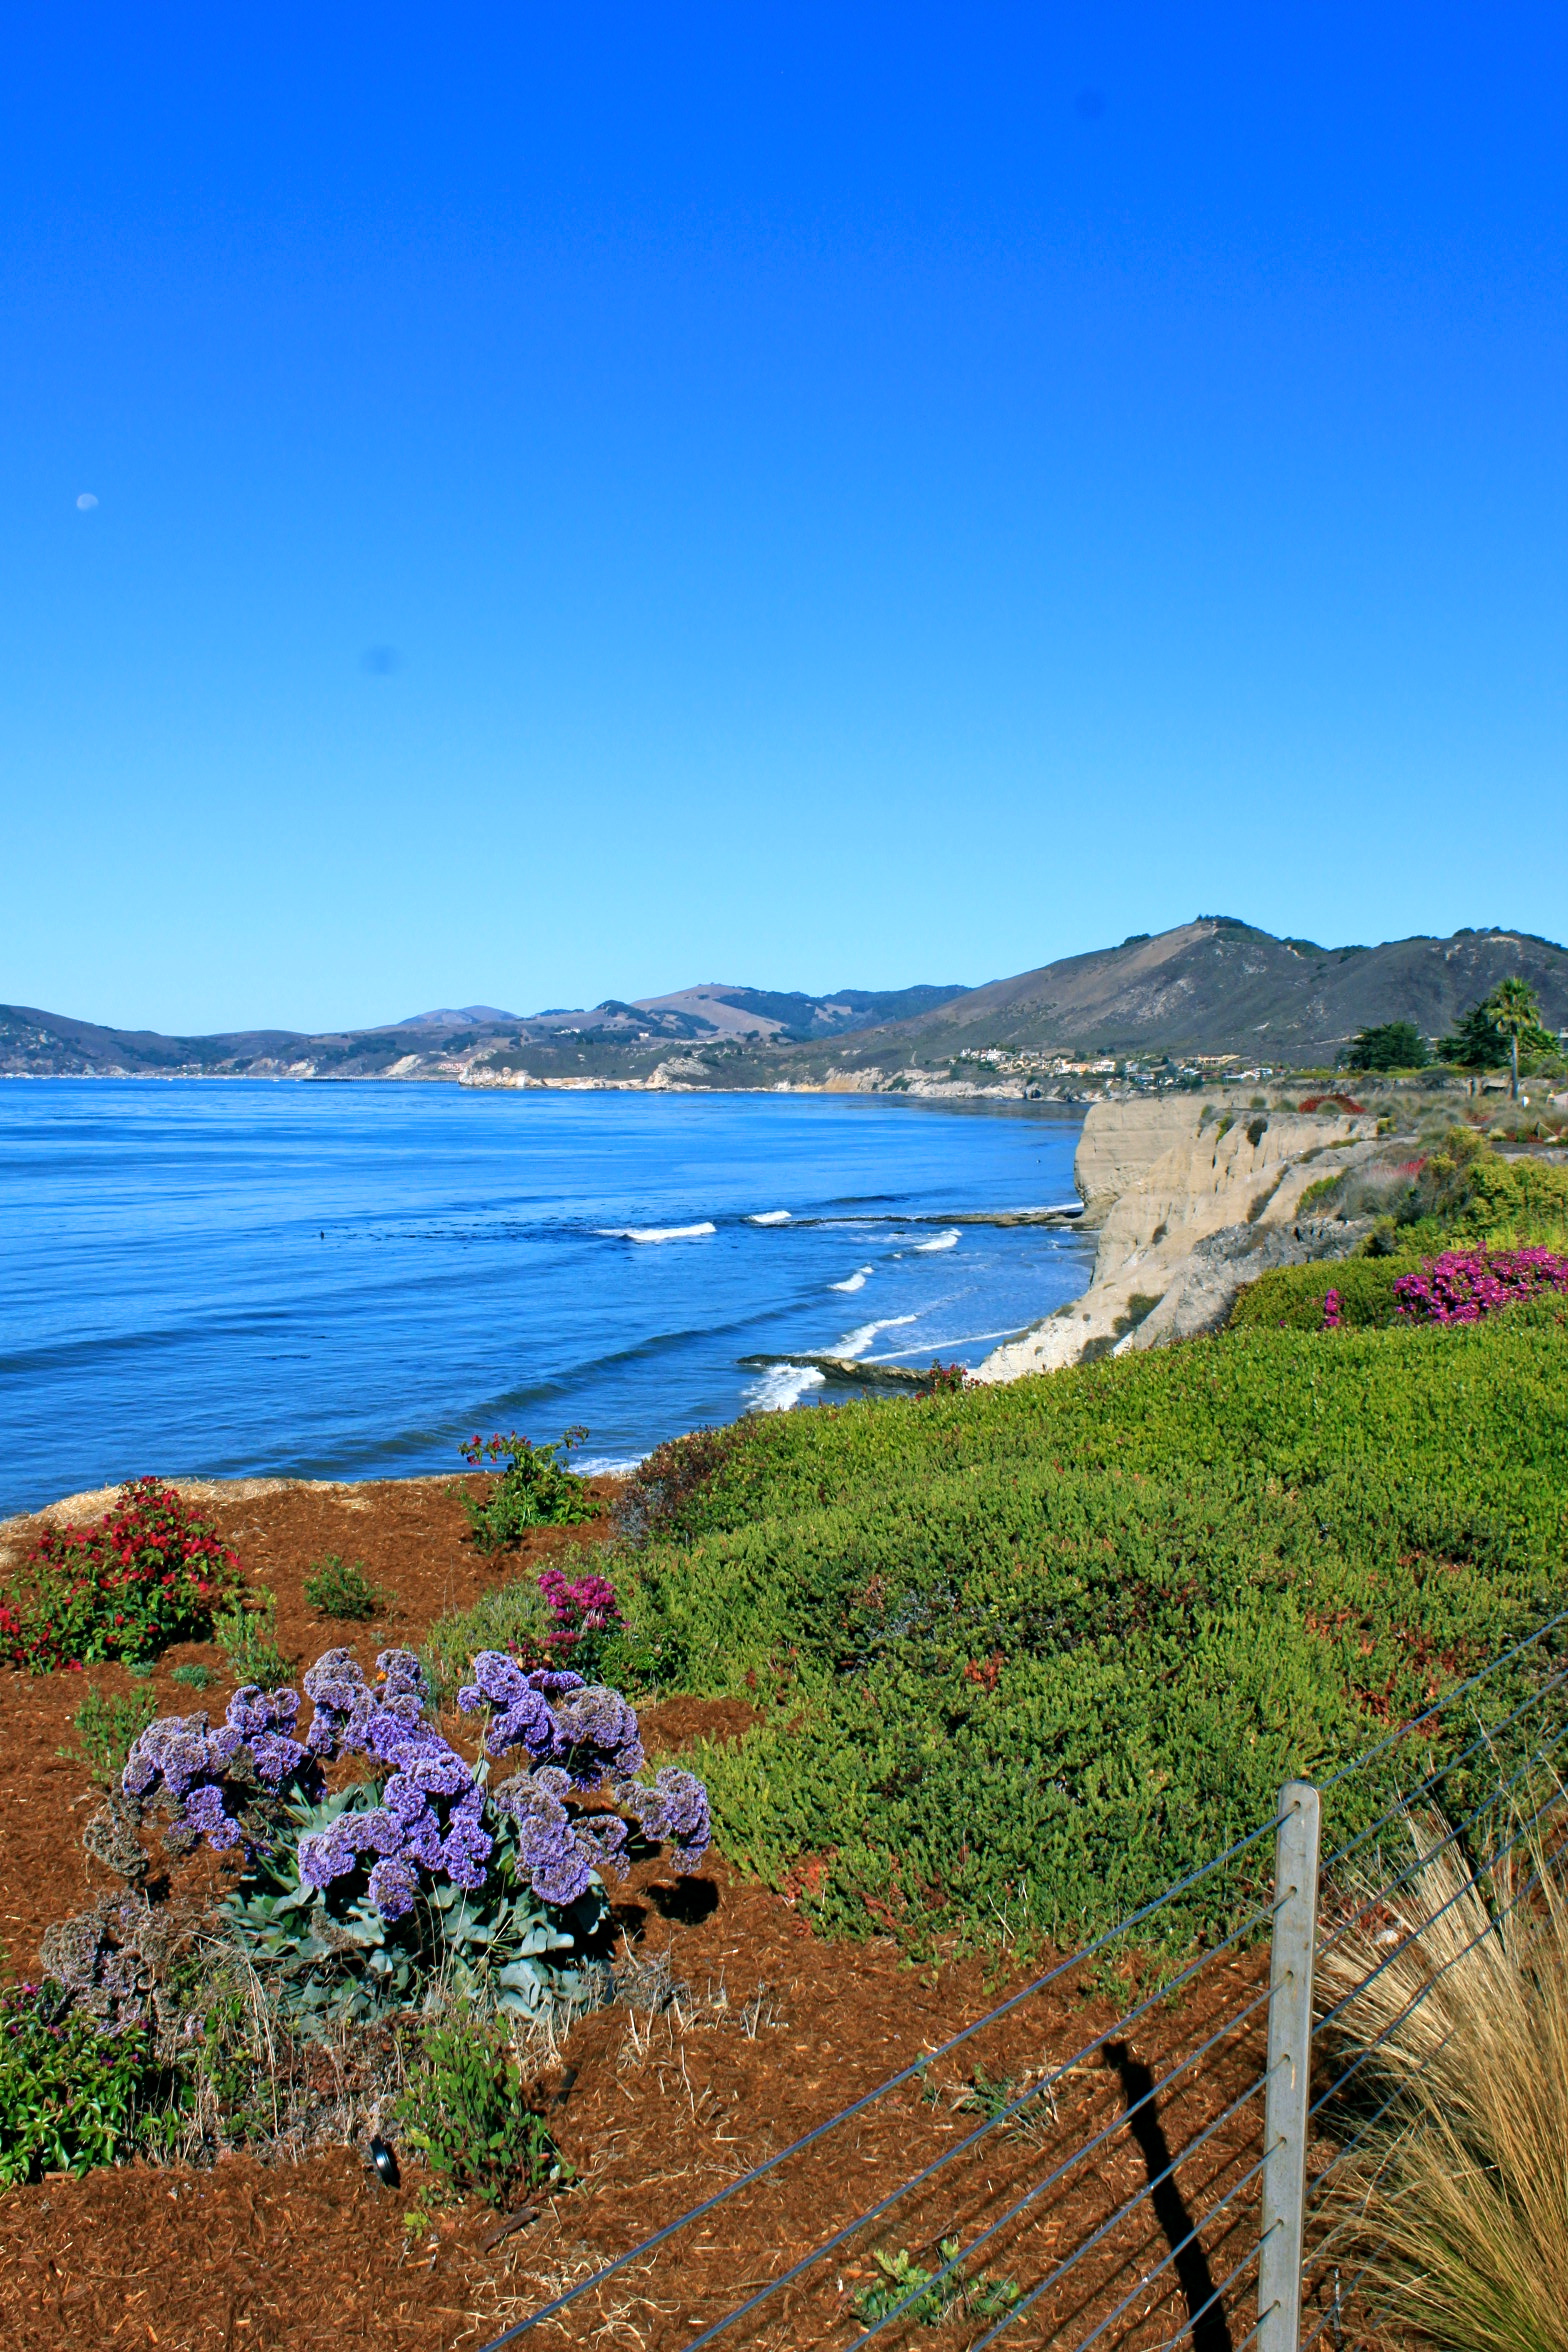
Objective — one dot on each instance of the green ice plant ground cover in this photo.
(1028, 1655)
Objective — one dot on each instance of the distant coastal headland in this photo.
(1210, 999)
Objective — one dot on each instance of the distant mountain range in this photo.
(1214, 986)
(1221, 986)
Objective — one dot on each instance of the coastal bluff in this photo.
(1193, 1198)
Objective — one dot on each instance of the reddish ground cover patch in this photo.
(755, 2031)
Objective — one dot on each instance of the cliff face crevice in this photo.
(1193, 1199)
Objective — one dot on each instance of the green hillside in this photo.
(1025, 1655)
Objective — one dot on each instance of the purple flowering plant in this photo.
(355, 1898)
(1464, 1285)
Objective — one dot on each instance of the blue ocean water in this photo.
(345, 1281)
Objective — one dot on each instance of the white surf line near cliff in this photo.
(855, 1281)
(1072, 1208)
(782, 1386)
(971, 1339)
(647, 1233)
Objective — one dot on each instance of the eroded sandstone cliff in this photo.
(1194, 1197)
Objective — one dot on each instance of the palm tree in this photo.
(1513, 1012)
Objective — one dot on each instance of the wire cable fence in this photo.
(1175, 2171)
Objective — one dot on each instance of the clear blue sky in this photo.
(597, 498)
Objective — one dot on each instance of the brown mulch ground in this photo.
(769, 2032)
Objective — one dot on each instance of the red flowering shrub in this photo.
(150, 1573)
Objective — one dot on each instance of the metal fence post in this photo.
(1289, 2066)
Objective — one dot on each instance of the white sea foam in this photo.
(607, 1465)
(855, 1343)
(770, 1217)
(654, 1232)
(855, 1281)
(781, 1386)
(948, 1240)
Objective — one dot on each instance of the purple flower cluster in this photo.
(1463, 1285)
(430, 1820)
(1333, 1310)
(674, 1810)
(557, 1858)
(193, 1767)
(578, 1736)
(560, 1848)
(588, 1732)
(431, 1814)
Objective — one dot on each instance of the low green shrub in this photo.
(667, 1492)
(247, 1634)
(1291, 1297)
(69, 2095)
(193, 1674)
(335, 1587)
(150, 1573)
(107, 1729)
(465, 2110)
(534, 1490)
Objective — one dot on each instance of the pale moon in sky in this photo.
(86, 501)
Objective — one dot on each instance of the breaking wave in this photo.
(654, 1232)
(770, 1217)
(855, 1343)
(948, 1240)
(854, 1282)
(782, 1386)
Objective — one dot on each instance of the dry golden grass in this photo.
(1456, 1989)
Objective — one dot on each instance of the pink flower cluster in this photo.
(589, 1606)
(1333, 1310)
(1463, 1285)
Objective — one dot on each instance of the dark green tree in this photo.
(1472, 1043)
(1392, 1045)
(1504, 1026)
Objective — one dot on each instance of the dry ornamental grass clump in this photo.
(1457, 2197)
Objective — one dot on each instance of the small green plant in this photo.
(534, 1490)
(193, 1674)
(1321, 1190)
(993, 2097)
(465, 2112)
(68, 2094)
(988, 2097)
(981, 2297)
(336, 1587)
(106, 1731)
(247, 1634)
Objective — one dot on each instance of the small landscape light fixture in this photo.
(385, 2161)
